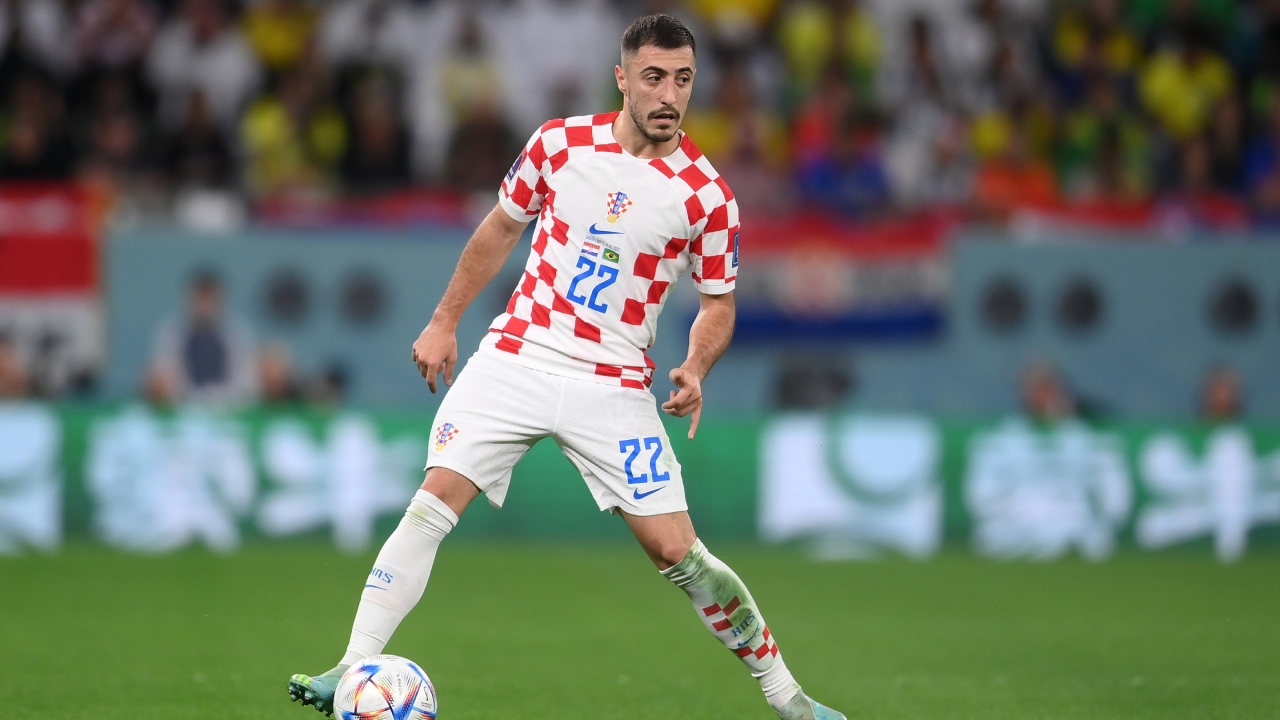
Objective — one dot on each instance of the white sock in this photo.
(730, 613)
(399, 575)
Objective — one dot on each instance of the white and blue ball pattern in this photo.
(385, 687)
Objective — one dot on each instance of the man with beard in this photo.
(625, 203)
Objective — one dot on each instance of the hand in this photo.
(436, 351)
(687, 400)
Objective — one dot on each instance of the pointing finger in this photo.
(431, 377)
(693, 424)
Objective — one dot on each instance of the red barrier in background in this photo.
(48, 239)
(917, 234)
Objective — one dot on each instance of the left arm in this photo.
(712, 329)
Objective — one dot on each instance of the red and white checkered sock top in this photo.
(614, 233)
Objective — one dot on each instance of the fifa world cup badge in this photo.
(444, 434)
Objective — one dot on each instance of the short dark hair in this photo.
(661, 31)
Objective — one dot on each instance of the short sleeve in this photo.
(524, 188)
(715, 250)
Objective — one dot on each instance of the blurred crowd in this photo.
(183, 107)
(207, 355)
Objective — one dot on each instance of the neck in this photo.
(635, 143)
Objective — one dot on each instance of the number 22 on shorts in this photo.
(632, 449)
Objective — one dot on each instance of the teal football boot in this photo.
(802, 707)
(317, 691)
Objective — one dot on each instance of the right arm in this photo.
(436, 349)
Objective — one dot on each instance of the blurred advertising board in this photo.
(847, 486)
(818, 278)
(49, 280)
(48, 239)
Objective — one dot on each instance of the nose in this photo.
(668, 93)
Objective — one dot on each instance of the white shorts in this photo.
(496, 410)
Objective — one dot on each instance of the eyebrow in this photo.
(663, 71)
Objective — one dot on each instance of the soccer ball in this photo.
(384, 687)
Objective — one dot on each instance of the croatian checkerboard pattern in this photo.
(590, 314)
(718, 620)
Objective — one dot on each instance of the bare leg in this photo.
(454, 489)
(665, 538)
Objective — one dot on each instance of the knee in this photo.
(452, 488)
(669, 552)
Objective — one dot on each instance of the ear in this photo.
(620, 78)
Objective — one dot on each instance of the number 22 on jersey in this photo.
(591, 269)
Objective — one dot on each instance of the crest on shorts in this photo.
(444, 434)
(618, 204)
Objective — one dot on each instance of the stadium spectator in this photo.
(575, 38)
(114, 35)
(482, 147)
(1045, 396)
(370, 32)
(1192, 202)
(1266, 46)
(736, 120)
(1115, 102)
(1220, 396)
(919, 92)
(734, 22)
(33, 36)
(281, 32)
(1262, 158)
(15, 381)
(1226, 145)
(1181, 84)
(119, 156)
(1092, 42)
(1165, 21)
(329, 387)
(200, 51)
(1103, 147)
(922, 81)
(817, 123)
(196, 156)
(814, 34)
(205, 355)
(37, 146)
(1265, 202)
(276, 376)
(849, 176)
(471, 76)
(295, 138)
(377, 158)
(483, 144)
(749, 145)
(1014, 179)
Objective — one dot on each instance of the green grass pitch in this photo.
(588, 633)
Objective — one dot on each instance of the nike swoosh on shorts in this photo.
(640, 496)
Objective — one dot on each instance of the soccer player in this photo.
(625, 203)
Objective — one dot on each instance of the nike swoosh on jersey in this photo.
(640, 496)
(595, 231)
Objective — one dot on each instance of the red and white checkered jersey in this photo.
(614, 234)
